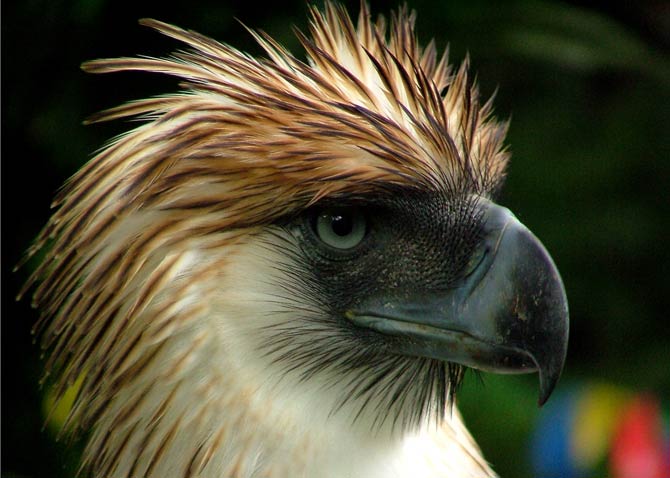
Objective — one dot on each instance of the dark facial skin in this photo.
(413, 245)
(434, 283)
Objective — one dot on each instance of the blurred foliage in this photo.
(587, 86)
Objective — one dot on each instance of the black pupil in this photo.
(342, 225)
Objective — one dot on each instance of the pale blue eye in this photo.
(341, 228)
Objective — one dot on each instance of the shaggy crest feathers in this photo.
(245, 142)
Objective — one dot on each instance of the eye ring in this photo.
(341, 228)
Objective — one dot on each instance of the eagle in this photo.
(286, 268)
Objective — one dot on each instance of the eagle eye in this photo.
(340, 228)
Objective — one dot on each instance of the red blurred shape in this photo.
(638, 445)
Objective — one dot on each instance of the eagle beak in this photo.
(508, 315)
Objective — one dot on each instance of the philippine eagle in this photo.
(285, 269)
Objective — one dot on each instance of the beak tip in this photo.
(543, 397)
(545, 393)
(548, 380)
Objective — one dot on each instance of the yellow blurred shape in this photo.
(56, 409)
(597, 412)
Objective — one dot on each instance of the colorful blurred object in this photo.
(56, 411)
(601, 430)
(639, 447)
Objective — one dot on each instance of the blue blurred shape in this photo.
(551, 454)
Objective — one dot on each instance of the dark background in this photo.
(587, 86)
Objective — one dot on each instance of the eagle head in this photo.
(286, 268)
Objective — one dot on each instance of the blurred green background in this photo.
(587, 87)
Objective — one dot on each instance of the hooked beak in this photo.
(509, 315)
